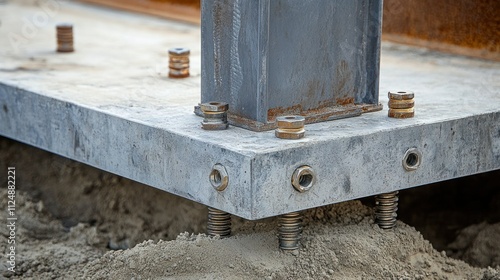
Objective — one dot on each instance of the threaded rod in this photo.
(219, 223)
(386, 207)
(290, 231)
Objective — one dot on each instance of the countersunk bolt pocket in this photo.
(290, 127)
(412, 159)
(219, 177)
(215, 115)
(401, 104)
(178, 63)
(64, 37)
(303, 178)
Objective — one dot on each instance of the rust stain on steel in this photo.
(324, 107)
(280, 111)
(184, 10)
(458, 26)
(345, 101)
(312, 116)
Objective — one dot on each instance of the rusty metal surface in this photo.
(64, 34)
(401, 104)
(318, 59)
(185, 10)
(178, 63)
(467, 27)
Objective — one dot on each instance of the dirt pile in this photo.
(77, 222)
(478, 245)
(346, 246)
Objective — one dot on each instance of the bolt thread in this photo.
(64, 38)
(290, 231)
(386, 207)
(219, 223)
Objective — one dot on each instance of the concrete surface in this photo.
(110, 105)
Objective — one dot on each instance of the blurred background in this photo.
(465, 27)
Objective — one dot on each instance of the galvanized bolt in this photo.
(303, 178)
(290, 127)
(178, 62)
(401, 104)
(386, 207)
(64, 37)
(219, 223)
(215, 115)
(219, 177)
(290, 231)
(412, 159)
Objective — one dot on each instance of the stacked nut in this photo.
(215, 115)
(64, 37)
(401, 104)
(178, 62)
(290, 127)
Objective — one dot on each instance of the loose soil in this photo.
(75, 221)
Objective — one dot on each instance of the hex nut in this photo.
(290, 122)
(219, 179)
(401, 113)
(214, 126)
(290, 127)
(214, 107)
(303, 178)
(401, 95)
(179, 51)
(412, 159)
(401, 104)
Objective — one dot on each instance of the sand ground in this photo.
(78, 222)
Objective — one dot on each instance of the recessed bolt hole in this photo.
(290, 118)
(215, 177)
(412, 159)
(219, 178)
(401, 91)
(305, 180)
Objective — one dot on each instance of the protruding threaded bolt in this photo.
(178, 62)
(219, 223)
(401, 104)
(65, 37)
(290, 127)
(386, 207)
(290, 231)
(215, 114)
